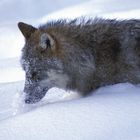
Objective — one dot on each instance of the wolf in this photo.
(80, 55)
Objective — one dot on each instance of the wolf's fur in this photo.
(80, 55)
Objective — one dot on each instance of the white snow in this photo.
(111, 112)
(10, 70)
(99, 8)
(11, 42)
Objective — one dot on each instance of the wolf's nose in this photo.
(27, 101)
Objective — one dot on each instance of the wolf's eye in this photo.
(48, 43)
(34, 76)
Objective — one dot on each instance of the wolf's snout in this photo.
(34, 96)
(31, 101)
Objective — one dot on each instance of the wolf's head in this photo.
(41, 63)
(56, 55)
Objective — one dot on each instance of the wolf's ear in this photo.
(46, 41)
(26, 29)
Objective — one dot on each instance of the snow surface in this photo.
(111, 112)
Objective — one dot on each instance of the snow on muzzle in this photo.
(34, 93)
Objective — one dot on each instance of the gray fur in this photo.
(89, 54)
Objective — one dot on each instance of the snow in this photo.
(99, 8)
(111, 112)
(10, 70)
(107, 114)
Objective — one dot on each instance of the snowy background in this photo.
(112, 112)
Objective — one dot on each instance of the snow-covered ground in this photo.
(112, 112)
